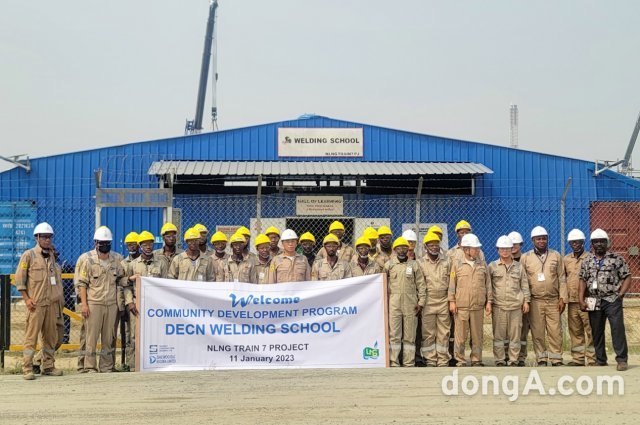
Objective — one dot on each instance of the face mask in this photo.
(104, 248)
(45, 254)
(363, 256)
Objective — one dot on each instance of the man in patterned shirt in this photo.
(605, 277)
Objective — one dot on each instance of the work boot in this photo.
(28, 376)
(36, 369)
(52, 372)
(574, 363)
(477, 364)
(521, 363)
(622, 366)
(542, 364)
(557, 364)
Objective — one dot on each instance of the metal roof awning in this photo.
(314, 168)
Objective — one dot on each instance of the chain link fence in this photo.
(74, 222)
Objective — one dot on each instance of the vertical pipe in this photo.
(563, 201)
(259, 206)
(418, 197)
(5, 315)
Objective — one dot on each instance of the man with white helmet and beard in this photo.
(99, 274)
(577, 320)
(511, 299)
(39, 280)
(469, 295)
(547, 281)
(605, 279)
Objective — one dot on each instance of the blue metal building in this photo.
(526, 187)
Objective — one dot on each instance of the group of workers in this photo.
(436, 301)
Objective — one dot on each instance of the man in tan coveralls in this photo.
(579, 327)
(511, 299)
(170, 248)
(545, 271)
(193, 264)
(289, 266)
(406, 289)
(345, 252)
(147, 265)
(100, 273)
(263, 246)
(436, 320)
(361, 263)
(469, 294)
(330, 267)
(239, 267)
(39, 280)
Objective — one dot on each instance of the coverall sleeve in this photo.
(524, 285)
(421, 286)
(22, 272)
(173, 269)
(564, 294)
(452, 283)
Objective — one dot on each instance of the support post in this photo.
(5, 316)
(418, 198)
(563, 201)
(259, 206)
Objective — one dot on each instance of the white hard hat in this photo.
(539, 231)
(515, 237)
(575, 235)
(410, 235)
(102, 234)
(288, 234)
(504, 242)
(43, 229)
(470, 241)
(599, 234)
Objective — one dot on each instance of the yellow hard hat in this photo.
(400, 242)
(307, 236)
(168, 227)
(200, 228)
(191, 234)
(363, 240)
(370, 233)
(244, 231)
(330, 238)
(145, 236)
(218, 237)
(430, 237)
(260, 239)
(435, 229)
(272, 229)
(336, 225)
(237, 237)
(463, 225)
(132, 237)
(384, 230)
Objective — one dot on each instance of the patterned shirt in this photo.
(604, 277)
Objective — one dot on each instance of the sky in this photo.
(84, 74)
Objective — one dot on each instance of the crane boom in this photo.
(626, 162)
(195, 126)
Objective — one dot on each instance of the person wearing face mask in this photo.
(547, 280)
(239, 267)
(170, 247)
(362, 264)
(263, 246)
(605, 278)
(147, 265)
(193, 264)
(469, 294)
(219, 241)
(578, 321)
(330, 267)
(99, 274)
(436, 320)
(39, 280)
(308, 244)
(406, 288)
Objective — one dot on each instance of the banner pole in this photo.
(385, 296)
(140, 314)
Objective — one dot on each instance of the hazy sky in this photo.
(81, 74)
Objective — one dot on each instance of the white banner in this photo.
(319, 205)
(320, 142)
(201, 325)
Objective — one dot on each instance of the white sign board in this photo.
(203, 325)
(444, 243)
(319, 205)
(363, 223)
(320, 142)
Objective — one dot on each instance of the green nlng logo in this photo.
(371, 352)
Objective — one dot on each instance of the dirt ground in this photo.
(355, 396)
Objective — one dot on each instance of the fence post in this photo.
(5, 315)
(563, 200)
(259, 206)
(418, 197)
